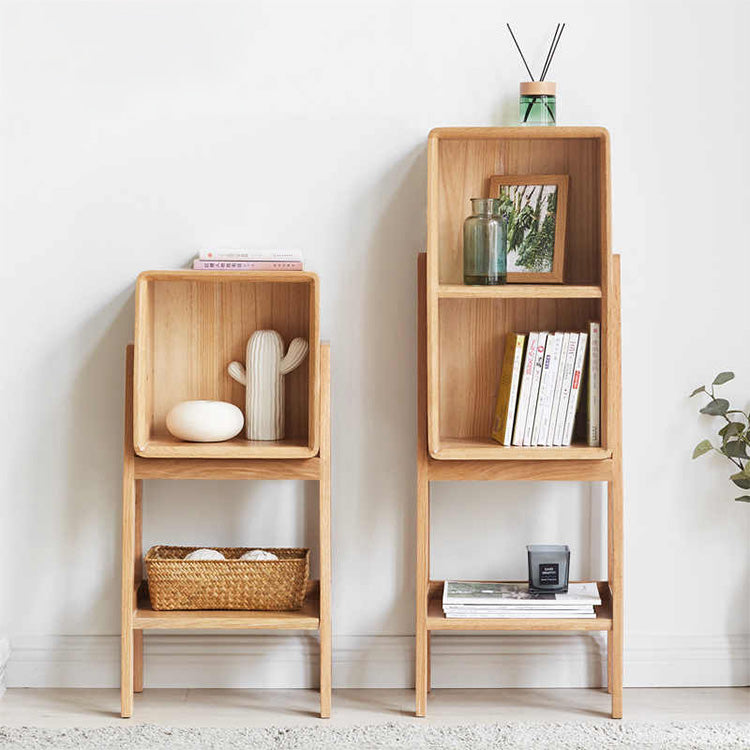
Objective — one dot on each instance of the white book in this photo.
(271, 254)
(575, 389)
(493, 593)
(522, 616)
(546, 389)
(536, 379)
(567, 381)
(560, 609)
(558, 388)
(525, 390)
(593, 416)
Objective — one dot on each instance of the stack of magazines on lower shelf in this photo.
(481, 599)
(543, 376)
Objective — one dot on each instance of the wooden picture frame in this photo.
(554, 275)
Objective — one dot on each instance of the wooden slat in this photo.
(306, 618)
(519, 291)
(188, 468)
(166, 446)
(324, 532)
(138, 571)
(558, 132)
(615, 540)
(436, 620)
(127, 646)
(537, 471)
(487, 449)
(422, 664)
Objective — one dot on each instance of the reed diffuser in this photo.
(538, 99)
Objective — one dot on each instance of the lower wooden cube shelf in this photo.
(436, 620)
(306, 618)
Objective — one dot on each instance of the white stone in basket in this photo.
(258, 554)
(204, 421)
(204, 554)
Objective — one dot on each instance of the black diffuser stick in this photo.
(549, 52)
(554, 49)
(528, 70)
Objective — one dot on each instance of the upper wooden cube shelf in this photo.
(467, 325)
(189, 325)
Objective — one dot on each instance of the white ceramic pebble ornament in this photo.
(204, 554)
(258, 554)
(204, 421)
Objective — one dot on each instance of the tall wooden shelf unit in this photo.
(189, 326)
(461, 339)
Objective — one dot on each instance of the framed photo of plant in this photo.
(535, 208)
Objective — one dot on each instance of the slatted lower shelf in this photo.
(436, 620)
(307, 618)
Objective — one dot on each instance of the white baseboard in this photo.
(291, 661)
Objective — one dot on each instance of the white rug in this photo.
(525, 736)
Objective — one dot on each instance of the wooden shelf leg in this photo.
(429, 661)
(137, 661)
(615, 636)
(422, 677)
(422, 667)
(127, 649)
(324, 515)
(138, 634)
(615, 499)
(129, 503)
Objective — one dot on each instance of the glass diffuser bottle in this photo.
(538, 103)
(485, 243)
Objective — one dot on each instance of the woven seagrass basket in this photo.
(271, 585)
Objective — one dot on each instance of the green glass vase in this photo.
(485, 244)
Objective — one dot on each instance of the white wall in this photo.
(134, 133)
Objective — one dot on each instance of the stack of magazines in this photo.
(248, 260)
(481, 599)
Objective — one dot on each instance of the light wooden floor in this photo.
(79, 707)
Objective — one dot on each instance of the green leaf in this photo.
(723, 377)
(732, 429)
(743, 499)
(715, 408)
(703, 447)
(735, 449)
(698, 390)
(742, 482)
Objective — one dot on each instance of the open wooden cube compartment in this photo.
(467, 325)
(189, 325)
(463, 164)
(472, 342)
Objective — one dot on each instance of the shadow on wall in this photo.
(94, 465)
(80, 384)
(388, 387)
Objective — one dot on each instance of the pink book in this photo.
(246, 265)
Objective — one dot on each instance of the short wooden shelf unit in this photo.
(189, 326)
(462, 332)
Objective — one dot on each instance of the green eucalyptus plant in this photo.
(734, 433)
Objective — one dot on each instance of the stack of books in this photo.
(248, 260)
(485, 600)
(542, 377)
